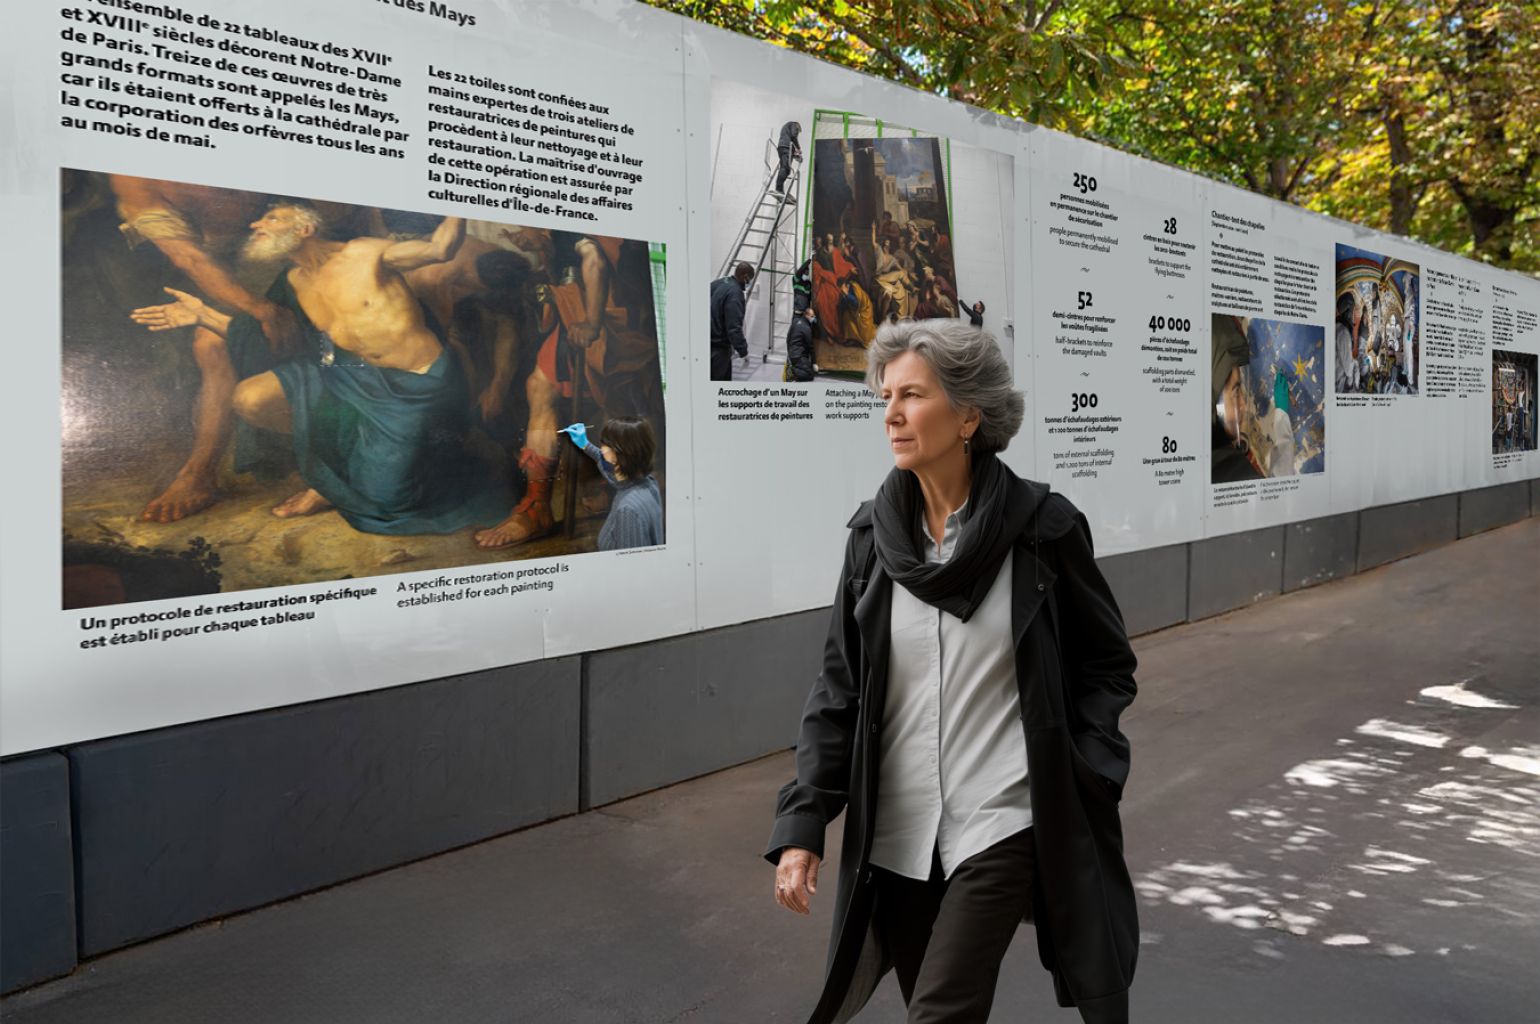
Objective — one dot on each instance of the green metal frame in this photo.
(657, 256)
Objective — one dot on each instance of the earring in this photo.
(965, 445)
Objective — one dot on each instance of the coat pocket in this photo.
(1091, 780)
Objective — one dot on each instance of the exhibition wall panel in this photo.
(324, 282)
(1388, 320)
(1267, 296)
(312, 293)
(1117, 361)
(895, 205)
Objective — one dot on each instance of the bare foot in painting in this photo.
(531, 519)
(188, 494)
(305, 503)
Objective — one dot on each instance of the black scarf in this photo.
(959, 584)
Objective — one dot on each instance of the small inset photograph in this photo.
(826, 223)
(262, 390)
(1513, 401)
(1378, 347)
(1267, 388)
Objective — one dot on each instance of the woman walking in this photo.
(966, 719)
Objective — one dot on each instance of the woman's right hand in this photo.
(796, 878)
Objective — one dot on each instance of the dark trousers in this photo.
(721, 363)
(947, 936)
(785, 155)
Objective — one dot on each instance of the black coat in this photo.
(799, 350)
(788, 143)
(1074, 669)
(727, 308)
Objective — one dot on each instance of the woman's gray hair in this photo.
(969, 365)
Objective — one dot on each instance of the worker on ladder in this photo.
(789, 149)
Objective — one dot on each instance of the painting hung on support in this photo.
(881, 240)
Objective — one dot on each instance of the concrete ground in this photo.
(1334, 816)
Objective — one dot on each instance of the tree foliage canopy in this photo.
(1420, 117)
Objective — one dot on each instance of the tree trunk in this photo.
(1404, 196)
(1491, 227)
(1489, 206)
(1278, 184)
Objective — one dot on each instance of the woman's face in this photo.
(923, 428)
(610, 457)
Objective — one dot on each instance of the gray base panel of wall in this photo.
(1492, 507)
(1389, 532)
(1234, 571)
(1150, 587)
(1319, 550)
(37, 883)
(736, 692)
(181, 825)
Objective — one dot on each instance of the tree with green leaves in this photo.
(1420, 117)
(1044, 62)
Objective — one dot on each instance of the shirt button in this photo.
(874, 728)
(1041, 587)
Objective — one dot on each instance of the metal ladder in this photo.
(765, 241)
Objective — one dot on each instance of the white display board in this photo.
(142, 143)
(780, 467)
(1269, 281)
(1502, 430)
(1119, 364)
(1390, 384)
(304, 293)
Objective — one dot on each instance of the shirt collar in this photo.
(950, 533)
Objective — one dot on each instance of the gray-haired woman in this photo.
(966, 719)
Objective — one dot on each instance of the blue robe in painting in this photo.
(386, 447)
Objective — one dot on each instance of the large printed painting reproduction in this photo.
(265, 390)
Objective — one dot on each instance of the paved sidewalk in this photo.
(1334, 816)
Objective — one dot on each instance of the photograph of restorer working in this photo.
(1267, 390)
(263, 390)
(826, 224)
(1513, 401)
(1378, 342)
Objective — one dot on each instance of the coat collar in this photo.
(1030, 580)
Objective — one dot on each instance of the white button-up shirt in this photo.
(953, 761)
